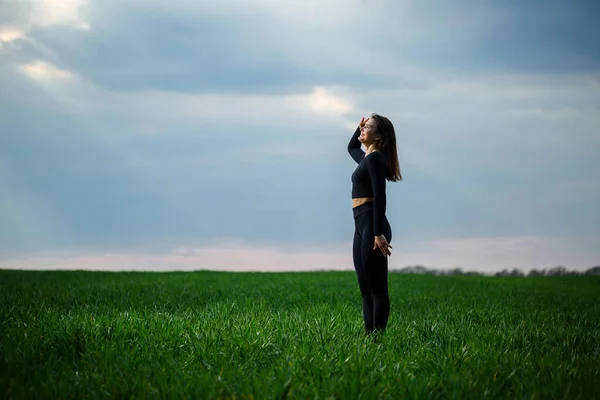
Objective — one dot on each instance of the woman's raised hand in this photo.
(363, 121)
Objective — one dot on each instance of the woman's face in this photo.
(368, 132)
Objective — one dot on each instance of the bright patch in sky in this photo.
(58, 12)
(43, 70)
(8, 34)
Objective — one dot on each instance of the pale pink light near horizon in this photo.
(486, 255)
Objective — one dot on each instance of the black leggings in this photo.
(371, 268)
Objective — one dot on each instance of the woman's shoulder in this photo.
(375, 157)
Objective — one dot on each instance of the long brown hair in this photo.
(385, 142)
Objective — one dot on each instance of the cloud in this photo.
(266, 46)
(41, 70)
(63, 13)
(23, 29)
(323, 101)
(9, 34)
(158, 46)
(251, 108)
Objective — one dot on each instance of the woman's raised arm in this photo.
(354, 146)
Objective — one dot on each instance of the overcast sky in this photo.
(184, 134)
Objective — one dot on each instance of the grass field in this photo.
(266, 335)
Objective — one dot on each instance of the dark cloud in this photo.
(135, 47)
(540, 36)
(553, 37)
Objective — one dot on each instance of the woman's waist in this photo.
(358, 201)
(361, 205)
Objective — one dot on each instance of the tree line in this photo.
(559, 270)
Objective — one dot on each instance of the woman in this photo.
(373, 233)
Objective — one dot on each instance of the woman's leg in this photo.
(375, 265)
(381, 298)
(367, 299)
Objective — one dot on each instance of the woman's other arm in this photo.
(376, 164)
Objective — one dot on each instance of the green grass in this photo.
(264, 336)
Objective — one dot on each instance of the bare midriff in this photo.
(360, 201)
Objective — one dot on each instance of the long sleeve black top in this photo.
(368, 179)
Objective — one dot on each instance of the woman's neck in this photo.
(371, 148)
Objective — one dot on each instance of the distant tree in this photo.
(559, 270)
(535, 272)
(593, 271)
(417, 269)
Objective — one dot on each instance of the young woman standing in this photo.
(373, 233)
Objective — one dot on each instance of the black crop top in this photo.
(368, 179)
